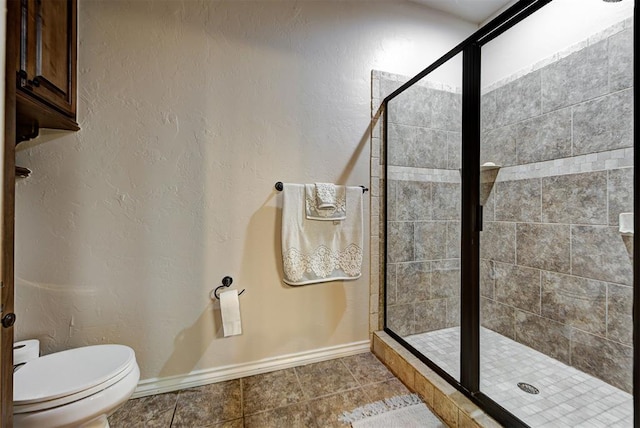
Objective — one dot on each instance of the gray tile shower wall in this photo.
(620, 61)
(580, 104)
(619, 193)
(555, 273)
(581, 76)
(423, 270)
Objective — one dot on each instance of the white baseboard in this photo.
(203, 377)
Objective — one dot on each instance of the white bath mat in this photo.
(402, 411)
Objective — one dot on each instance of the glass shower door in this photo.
(557, 177)
(423, 214)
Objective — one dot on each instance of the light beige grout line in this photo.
(606, 311)
(541, 201)
(541, 106)
(571, 249)
(607, 195)
(351, 373)
(304, 393)
(555, 224)
(330, 394)
(515, 243)
(540, 297)
(308, 399)
(572, 139)
(241, 398)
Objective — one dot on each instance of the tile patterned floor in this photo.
(313, 396)
(567, 398)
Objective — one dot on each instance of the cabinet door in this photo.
(7, 211)
(48, 52)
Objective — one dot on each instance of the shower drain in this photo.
(528, 388)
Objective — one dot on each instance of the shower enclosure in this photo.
(508, 172)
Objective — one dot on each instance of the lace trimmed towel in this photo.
(335, 211)
(326, 196)
(320, 251)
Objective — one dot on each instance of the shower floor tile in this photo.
(567, 397)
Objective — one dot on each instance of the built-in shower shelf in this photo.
(488, 174)
(489, 166)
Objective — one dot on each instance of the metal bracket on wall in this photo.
(226, 282)
(26, 131)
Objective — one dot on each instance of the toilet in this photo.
(75, 388)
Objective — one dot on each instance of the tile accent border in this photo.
(424, 83)
(376, 199)
(443, 399)
(601, 161)
(235, 371)
(407, 173)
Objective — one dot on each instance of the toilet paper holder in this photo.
(226, 282)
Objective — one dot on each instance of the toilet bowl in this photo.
(75, 388)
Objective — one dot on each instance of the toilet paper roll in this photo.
(26, 350)
(230, 311)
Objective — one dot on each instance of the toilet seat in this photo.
(64, 377)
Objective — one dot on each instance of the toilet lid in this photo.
(70, 373)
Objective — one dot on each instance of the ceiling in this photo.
(477, 11)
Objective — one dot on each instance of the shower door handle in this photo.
(479, 218)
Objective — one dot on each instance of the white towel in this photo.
(336, 212)
(326, 196)
(320, 251)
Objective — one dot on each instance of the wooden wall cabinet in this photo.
(46, 66)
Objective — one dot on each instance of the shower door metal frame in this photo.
(471, 215)
(636, 240)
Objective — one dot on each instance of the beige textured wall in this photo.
(190, 112)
